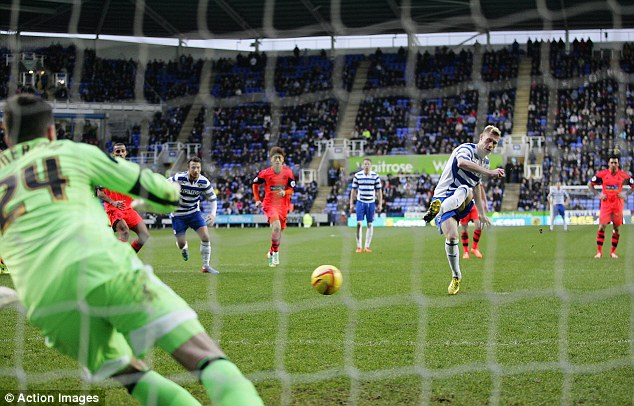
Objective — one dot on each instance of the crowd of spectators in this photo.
(242, 134)
(587, 125)
(532, 195)
(107, 80)
(577, 61)
(171, 79)
(500, 110)
(586, 111)
(241, 138)
(536, 123)
(295, 75)
(239, 135)
(585, 130)
(586, 134)
(628, 123)
(443, 68)
(386, 69)
(239, 75)
(350, 65)
(627, 57)
(534, 52)
(381, 121)
(446, 123)
(110, 80)
(57, 59)
(514, 170)
(300, 73)
(305, 125)
(390, 125)
(501, 64)
(198, 129)
(494, 189)
(165, 127)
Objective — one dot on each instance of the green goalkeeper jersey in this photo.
(53, 225)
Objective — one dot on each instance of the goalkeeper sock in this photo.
(226, 385)
(154, 389)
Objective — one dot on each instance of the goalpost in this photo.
(519, 332)
(583, 207)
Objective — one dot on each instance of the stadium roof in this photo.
(238, 19)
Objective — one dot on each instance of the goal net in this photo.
(537, 319)
(583, 207)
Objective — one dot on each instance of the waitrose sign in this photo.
(409, 164)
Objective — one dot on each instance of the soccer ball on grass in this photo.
(326, 279)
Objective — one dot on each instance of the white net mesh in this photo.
(574, 99)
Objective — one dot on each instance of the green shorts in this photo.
(123, 317)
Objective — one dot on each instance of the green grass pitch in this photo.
(538, 321)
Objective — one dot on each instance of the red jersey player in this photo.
(464, 222)
(122, 216)
(612, 201)
(278, 184)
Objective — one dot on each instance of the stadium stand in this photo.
(586, 119)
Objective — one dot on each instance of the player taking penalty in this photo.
(612, 199)
(453, 194)
(278, 184)
(88, 294)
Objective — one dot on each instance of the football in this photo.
(326, 279)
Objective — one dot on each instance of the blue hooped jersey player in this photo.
(452, 196)
(194, 187)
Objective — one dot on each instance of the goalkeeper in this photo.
(90, 295)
